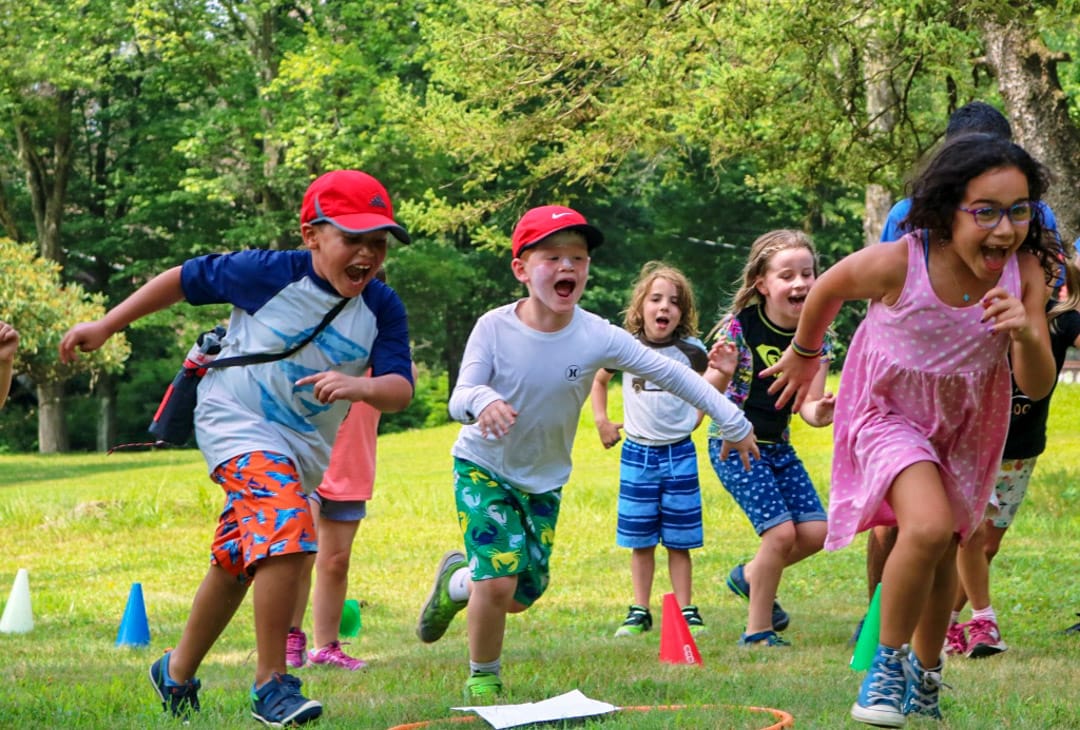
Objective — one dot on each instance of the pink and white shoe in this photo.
(296, 648)
(332, 655)
(956, 643)
(984, 638)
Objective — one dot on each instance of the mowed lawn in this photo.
(87, 527)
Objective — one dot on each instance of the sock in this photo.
(484, 667)
(458, 585)
(954, 618)
(985, 613)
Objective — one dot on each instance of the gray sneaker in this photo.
(439, 609)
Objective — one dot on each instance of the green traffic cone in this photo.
(869, 636)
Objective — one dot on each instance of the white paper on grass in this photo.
(569, 706)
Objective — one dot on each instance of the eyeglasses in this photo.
(989, 218)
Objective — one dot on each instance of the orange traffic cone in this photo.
(676, 642)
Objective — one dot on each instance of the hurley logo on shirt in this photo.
(573, 372)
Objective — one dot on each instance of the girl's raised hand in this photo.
(1006, 313)
(724, 357)
(794, 374)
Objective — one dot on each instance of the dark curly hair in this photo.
(939, 189)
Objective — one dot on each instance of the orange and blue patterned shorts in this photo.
(265, 514)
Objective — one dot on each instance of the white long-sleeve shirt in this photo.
(546, 377)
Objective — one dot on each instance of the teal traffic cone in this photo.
(867, 644)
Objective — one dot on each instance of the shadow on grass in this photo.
(22, 469)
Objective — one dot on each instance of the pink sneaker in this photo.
(985, 638)
(956, 639)
(296, 648)
(332, 655)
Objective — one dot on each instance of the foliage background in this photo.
(164, 129)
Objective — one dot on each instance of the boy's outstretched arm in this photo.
(162, 291)
(9, 343)
(388, 393)
(609, 430)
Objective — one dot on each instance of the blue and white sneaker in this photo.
(179, 699)
(923, 687)
(279, 703)
(740, 586)
(882, 693)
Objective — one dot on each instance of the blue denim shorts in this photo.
(777, 488)
(352, 510)
(659, 496)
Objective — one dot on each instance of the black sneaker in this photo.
(638, 621)
(693, 619)
(179, 699)
(740, 586)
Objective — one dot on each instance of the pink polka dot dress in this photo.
(923, 381)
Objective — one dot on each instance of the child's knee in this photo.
(497, 591)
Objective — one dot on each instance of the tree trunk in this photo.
(106, 422)
(881, 104)
(52, 436)
(1038, 110)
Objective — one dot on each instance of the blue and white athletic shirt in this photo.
(278, 299)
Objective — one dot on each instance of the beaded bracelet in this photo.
(803, 351)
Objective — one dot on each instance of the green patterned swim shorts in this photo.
(507, 531)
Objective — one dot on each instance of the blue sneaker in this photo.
(763, 638)
(740, 586)
(882, 692)
(279, 703)
(179, 699)
(923, 687)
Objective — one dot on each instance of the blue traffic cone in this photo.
(134, 628)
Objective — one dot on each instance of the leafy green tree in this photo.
(38, 304)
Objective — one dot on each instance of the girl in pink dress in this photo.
(923, 404)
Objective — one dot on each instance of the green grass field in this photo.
(88, 526)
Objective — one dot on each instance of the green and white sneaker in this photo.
(439, 609)
(638, 621)
(693, 619)
(483, 688)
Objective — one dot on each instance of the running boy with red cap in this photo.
(527, 371)
(266, 429)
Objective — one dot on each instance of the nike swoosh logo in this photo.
(555, 216)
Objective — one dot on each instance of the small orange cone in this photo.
(676, 642)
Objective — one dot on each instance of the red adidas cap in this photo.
(353, 201)
(539, 223)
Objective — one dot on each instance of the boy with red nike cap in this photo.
(527, 370)
(266, 429)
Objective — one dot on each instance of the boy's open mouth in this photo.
(797, 300)
(564, 287)
(356, 273)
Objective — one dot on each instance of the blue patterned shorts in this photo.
(659, 496)
(777, 488)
